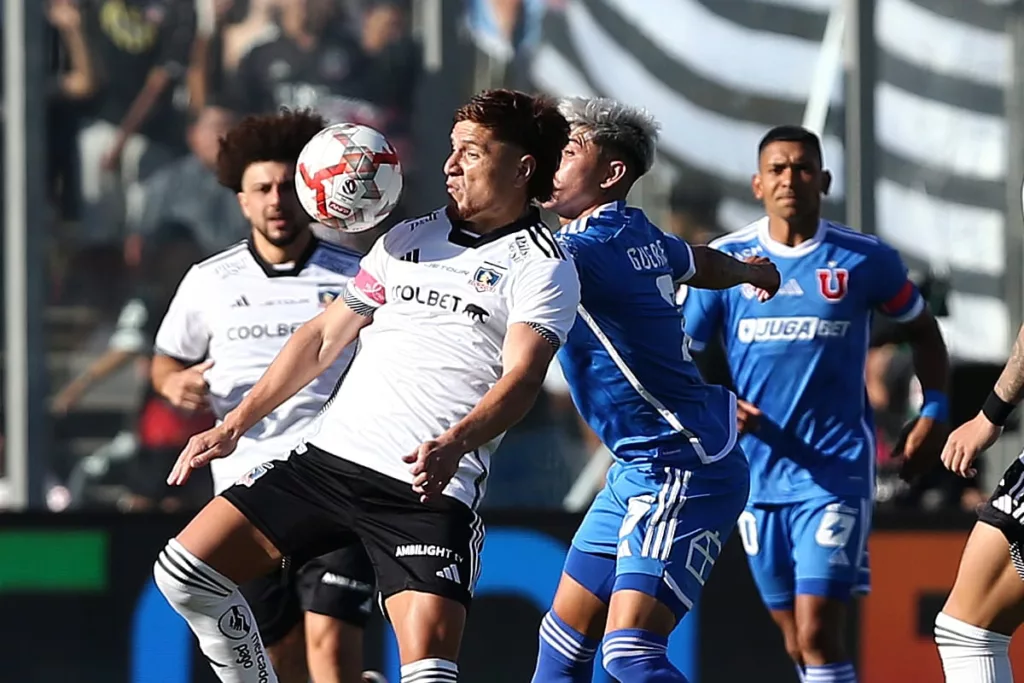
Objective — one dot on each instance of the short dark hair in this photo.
(267, 137)
(531, 122)
(792, 134)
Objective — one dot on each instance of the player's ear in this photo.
(243, 203)
(527, 165)
(616, 172)
(826, 182)
(756, 187)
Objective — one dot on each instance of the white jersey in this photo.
(238, 310)
(442, 300)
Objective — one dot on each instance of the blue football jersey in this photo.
(626, 359)
(800, 356)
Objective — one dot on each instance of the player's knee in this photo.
(818, 639)
(185, 581)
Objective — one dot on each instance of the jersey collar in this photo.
(461, 235)
(270, 269)
(780, 249)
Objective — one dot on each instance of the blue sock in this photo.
(830, 673)
(800, 673)
(565, 655)
(639, 656)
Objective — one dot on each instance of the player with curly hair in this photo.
(231, 315)
(458, 315)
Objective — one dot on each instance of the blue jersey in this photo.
(626, 359)
(800, 356)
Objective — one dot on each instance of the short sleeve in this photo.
(184, 333)
(366, 292)
(544, 295)
(891, 290)
(680, 258)
(702, 315)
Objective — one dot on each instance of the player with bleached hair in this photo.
(678, 483)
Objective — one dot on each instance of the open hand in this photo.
(218, 442)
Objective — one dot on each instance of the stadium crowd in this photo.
(140, 92)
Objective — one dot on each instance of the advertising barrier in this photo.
(79, 605)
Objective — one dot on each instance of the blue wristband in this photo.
(936, 406)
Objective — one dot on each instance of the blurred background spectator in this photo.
(139, 91)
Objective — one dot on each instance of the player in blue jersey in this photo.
(797, 365)
(652, 536)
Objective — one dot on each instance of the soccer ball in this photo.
(348, 177)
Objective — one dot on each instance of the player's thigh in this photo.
(764, 532)
(989, 587)
(427, 562)
(274, 602)
(669, 550)
(988, 591)
(830, 536)
(291, 508)
(339, 585)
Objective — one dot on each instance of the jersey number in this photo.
(747, 526)
(668, 292)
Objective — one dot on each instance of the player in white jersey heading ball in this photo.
(231, 315)
(458, 315)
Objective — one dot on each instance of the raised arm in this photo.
(714, 269)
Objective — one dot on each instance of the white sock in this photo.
(430, 671)
(217, 613)
(970, 654)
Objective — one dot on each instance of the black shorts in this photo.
(338, 584)
(1005, 509)
(314, 502)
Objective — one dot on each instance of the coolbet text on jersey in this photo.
(800, 359)
(239, 310)
(678, 482)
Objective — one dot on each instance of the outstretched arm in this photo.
(310, 351)
(714, 269)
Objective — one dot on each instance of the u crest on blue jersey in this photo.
(833, 283)
(485, 279)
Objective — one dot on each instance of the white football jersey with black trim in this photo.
(442, 300)
(238, 310)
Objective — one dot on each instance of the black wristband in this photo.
(996, 410)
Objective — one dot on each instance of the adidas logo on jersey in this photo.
(241, 302)
(412, 256)
(791, 288)
(451, 572)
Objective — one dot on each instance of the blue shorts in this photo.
(659, 529)
(815, 547)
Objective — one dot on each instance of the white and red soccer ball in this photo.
(348, 177)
